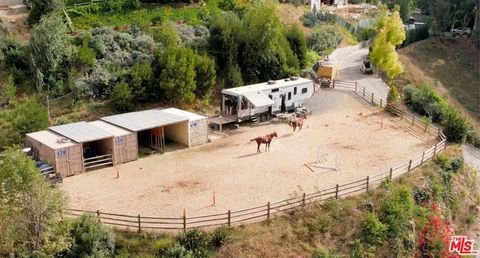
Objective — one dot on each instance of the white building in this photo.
(265, 99)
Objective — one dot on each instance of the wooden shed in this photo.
(197, 131)
(62, 153)
(125, 145)
(153, 127)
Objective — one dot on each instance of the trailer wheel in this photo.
(263, 118)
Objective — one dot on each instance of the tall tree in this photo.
(39, 8)
(49, 48)
(30, 213)
(298, 43)
(206, 76)
(383, 52)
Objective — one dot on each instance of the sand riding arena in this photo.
(347, 138)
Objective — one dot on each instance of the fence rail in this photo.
(271, 209)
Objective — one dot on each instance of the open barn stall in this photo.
(197, 131)
(97, 144)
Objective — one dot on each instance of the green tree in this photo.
(90, 238)
(393, 96)
(383, 52)
(122, 98)
(31, 209)
(141, 76)
(298, 43)
(206, 76)
(40, 8)
(175, 67)
(373, 231)
(167, 35)
(324, 38)
(7, 91)
(406, 7)
(85, 54)
(49, 48)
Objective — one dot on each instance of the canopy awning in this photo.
(258, 99)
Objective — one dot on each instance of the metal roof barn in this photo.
(144, 120)
(112, 129)
(81, 132)
(197, 131)
(182, 113)
(51, 139)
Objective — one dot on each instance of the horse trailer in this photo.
(258, 102)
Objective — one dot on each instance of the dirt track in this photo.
(164, 185)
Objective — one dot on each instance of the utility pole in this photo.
(48, 110)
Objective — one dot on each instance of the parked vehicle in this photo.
(324, 72)
(366, 67)
(461, 31)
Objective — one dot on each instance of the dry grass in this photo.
(290, 14)
(451, 66)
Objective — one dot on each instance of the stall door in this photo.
(120, 150)
(61, 164)
(75, 156)
(131, 147)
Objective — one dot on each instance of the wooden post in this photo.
(139, 224)
(268, 210)
(409, 165)
(336, 192)
(364, 92)
(426, 126)
(381, 100)
(355, 86)
(413, 120)
(435, 151)
(372, 99)
(423, 157)
(391, 173)
(333, 83)
(368, 181)
(98, 213)
(401, 116)
(303, 200)
(229, 218)
(184, 221)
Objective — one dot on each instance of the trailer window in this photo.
(295, 91)
(304, 90)
(289, 95)
(275, 90)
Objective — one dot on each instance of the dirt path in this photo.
(164, 185)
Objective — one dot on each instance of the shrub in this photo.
(309, 20)
(443, 161)
(373, 231)
(195, 241)
(415, 35)
(324, 38)
(90, 238)
(396, 211)
(219, 237)
(163, 246)
(421, 196)
(434, 238)
(178, 251)
(393, 97)
(457, 163)
(365, 34)
(326, 254)
(122, 97)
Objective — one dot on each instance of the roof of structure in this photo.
(81, 132)
(144, 120)
(266, 86)
(178, 112)
(113, 129)
(51, 139)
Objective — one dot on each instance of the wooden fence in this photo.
(272, 209)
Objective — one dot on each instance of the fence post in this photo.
(364, 92)
(184, 221)
(409, 165)
(139, 224)
(303, 200)
(413, 120)
(355, 86)
(268, 210)
(336, 192)
(333, 84)
(435, 151)
(391, 173)
(229, 218)
(381, 103)
(401, 115)
(426, 126)
(368, 181)
(98, 213)
(372, 98)
(423, 156)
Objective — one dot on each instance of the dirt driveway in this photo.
(163, 185)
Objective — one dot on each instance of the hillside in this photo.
(451, 65)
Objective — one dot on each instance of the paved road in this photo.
(349, 60)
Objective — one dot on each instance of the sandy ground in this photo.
(163, 185)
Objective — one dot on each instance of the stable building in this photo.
(154, 128)
(125, 145)
(197, 132)
(96, 144)
(62, 153)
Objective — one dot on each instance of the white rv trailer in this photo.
(265, 99)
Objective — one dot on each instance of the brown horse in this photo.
(267, 139)
(297, 122)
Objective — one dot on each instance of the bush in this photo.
(195, 241)
(415, 35)
(373, 231)
(421, 196)
(90, 238)
(178, 251)
(309, 20)
(457, 163)
(324, 38)
(393, 97)
(365, 34)
(122, 97)
(219, 237)
(396, 211)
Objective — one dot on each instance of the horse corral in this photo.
(166, 185)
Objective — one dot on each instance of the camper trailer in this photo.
(261, 101)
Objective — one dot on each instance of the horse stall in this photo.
(154, 128)
(97, 144)
(64, 155)
(125, 145)
(197, 131)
